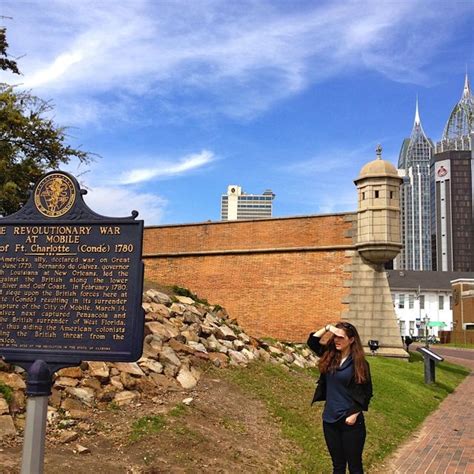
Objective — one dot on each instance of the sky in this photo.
(182, 98)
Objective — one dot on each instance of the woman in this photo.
(346, 386)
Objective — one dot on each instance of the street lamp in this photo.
(418, 298)
(426, 321)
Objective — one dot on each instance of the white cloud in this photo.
(54, 71)
(166, 169)
(120, 202)
(235, 58)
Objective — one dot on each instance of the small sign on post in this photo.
(71, 285)
(430, 358)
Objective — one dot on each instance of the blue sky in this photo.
(182, 98)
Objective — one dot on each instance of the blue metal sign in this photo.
(71, 280)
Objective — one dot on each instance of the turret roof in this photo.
(378, 168)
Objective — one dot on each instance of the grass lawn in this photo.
(401, 402)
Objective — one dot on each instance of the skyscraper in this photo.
(237, 205)
(452, 190)
(414, 168)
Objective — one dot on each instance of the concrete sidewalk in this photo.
(445, 442)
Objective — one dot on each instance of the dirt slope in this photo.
(222, 430)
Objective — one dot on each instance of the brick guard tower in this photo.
(376, 240)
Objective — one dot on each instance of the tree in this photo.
(30, 142)
(6, 64)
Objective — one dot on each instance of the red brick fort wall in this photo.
(278, 277)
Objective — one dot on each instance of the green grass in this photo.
(180, 291)
(401, 402)
(150, 425)
(233, 425)
(7, 392)
(113, 406)
(179, 410)
(146, 426)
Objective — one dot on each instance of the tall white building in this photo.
(237, 205)
(414, 168)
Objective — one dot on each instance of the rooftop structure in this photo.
(460, 125)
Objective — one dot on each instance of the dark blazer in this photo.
(360, 393)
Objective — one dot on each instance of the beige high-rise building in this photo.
(238, 205)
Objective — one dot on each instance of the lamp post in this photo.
(426, 321)
(418, 299)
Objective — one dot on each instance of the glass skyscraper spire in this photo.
(460, 125)
(414, 167)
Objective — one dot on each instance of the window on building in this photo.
(450, 302)
(363, 196)
(441, 301)
(422, 301)
(401, 301)
(391, 194)
(412, 327)
(402, 327)
(376, 194)
(411, 301)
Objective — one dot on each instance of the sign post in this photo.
(430, 359)
(38, 391)
(71, 284)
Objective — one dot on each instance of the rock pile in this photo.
(181, 336)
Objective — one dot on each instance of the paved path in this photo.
(445, 442)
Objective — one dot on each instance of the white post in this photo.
(35, 435)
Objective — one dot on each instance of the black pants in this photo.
(345, 444)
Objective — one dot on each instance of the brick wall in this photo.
(463, 311)
(277, 277)
(289, 232)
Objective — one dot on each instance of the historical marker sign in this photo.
(70, 280)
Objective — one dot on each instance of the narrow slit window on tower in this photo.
(376, 194)
(363, 196)
(391, 194)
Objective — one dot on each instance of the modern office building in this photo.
(414, 168)
(452, 190)
(237, 205)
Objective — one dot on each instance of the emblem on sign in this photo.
(55, 195)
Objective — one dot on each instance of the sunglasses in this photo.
(346, 325)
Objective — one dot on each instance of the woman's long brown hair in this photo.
(331, 359)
